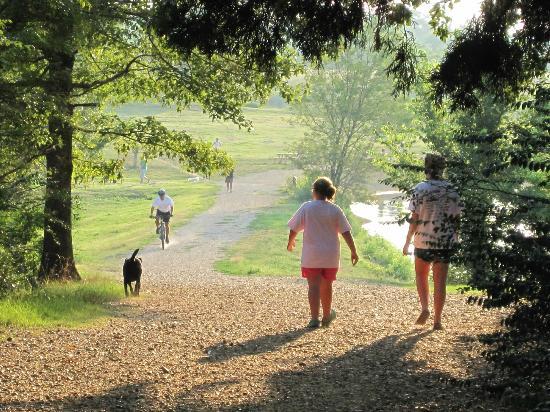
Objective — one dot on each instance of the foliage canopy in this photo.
(498, 53)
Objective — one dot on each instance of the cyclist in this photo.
(165, 210)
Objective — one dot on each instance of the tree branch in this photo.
(25, 163)
(87, 87)
(91, 104)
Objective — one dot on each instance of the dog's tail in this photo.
(134, 254)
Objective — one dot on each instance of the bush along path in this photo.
(199, 340)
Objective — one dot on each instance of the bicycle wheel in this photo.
(162, 234)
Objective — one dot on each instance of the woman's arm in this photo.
(413, 225)
(291, 240)
(351, 244)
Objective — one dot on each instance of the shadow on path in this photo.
(129, 397)
(226, 350)
(377, 377)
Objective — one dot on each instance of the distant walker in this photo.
(229, 181)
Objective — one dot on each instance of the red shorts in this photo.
(327, 273)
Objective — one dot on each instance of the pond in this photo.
(381, 217)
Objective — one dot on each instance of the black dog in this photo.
(131, 272)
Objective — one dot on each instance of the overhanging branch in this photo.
(87, 87)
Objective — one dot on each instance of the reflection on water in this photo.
(381, 218)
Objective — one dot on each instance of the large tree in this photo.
(63, 61)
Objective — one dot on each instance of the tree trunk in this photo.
(57, 254)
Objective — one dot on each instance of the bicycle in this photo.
(161, 232)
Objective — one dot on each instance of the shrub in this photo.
(19, 250)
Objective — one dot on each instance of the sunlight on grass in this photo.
(70, 304)
(263, 253)
(253, 151)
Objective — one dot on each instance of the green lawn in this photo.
(263, 253)
(253, 151)
(61, 304)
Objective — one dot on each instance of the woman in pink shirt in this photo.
(322, 222)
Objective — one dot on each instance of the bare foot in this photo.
(424, 315)
(438, 326)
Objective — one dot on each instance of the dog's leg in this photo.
(131, 289)
(125, 289)
(137, 288)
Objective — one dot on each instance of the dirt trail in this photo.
(198, 340)
(195, 247)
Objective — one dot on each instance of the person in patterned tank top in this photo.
(435, 211)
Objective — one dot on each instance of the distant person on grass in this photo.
(217, 144)
(143, 171)
(322, 222)
(165, 210)
(435, 207)
(229, 180)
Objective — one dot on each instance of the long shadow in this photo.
(378, 377)
(267, 343)
(121, 398)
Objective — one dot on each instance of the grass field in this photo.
(253, 151)
(61, 304)
(263, 253)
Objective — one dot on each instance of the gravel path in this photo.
(199, 340)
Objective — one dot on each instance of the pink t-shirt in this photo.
(322, 222)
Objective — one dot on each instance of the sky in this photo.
(461, 13)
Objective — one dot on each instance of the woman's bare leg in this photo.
(314, 295)
(440, 271)
(423, 288)
(326, 297)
